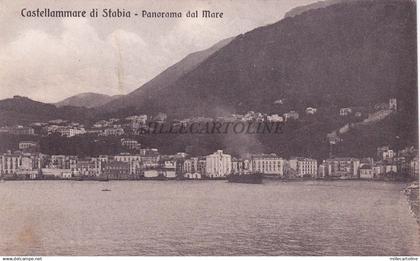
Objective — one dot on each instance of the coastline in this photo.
(412, 193)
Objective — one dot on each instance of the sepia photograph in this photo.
(209, 128)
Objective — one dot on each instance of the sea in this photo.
(161, 218)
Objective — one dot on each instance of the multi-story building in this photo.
(366, 172)
(20, 130)
(385, 153)
(237, 166)
(62, 162)
(414, 167)
(116, 131)
(116, 169)
(304, 167)
(195, 164)
(20, 164)
(88, 167)
(28, 146)
(168, 168)
(341, 167)
(218, 164)
(269, 164)
(130, 144)
(127, 157)
(69, 131)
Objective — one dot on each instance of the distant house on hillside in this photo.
(393, 104)
(291, 115)
(311, 110)
(345, 111)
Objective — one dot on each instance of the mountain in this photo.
(349, 54)
(320, 4)
(22, 110)
(87, 99)
(166, 78)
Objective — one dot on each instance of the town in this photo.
(135, 162)
(27, 163)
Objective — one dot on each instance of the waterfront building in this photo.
(218, 164)
(268, 164)
(237, 166)
(194, 164)
(169, 168)
(55, 173)
(150, 173)
(116, 169)
(342, 167)
(304, 167)
(88, 167)
(190, 165)
(366, 172)
(322, 170)
(62, 162)
(19, 163)
(414, 167)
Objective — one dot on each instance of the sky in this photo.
(50, 59)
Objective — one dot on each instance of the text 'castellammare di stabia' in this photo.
(117, 13)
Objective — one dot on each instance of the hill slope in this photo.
(166, 78)
(22, 110)
(87, 99)
(347, 54)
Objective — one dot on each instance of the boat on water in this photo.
(253, 178)
(106, 190)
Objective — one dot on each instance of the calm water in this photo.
(205, 218)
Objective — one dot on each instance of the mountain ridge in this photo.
(87, 99)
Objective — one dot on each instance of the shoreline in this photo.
(412, 194)
(410, 182)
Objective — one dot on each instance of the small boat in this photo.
(253, 178)
(106, 190)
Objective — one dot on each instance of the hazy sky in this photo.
(49, 59)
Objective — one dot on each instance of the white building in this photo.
(218, 164)
(304, 166)
(269, 164)
(345, 111)
(274, 118)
